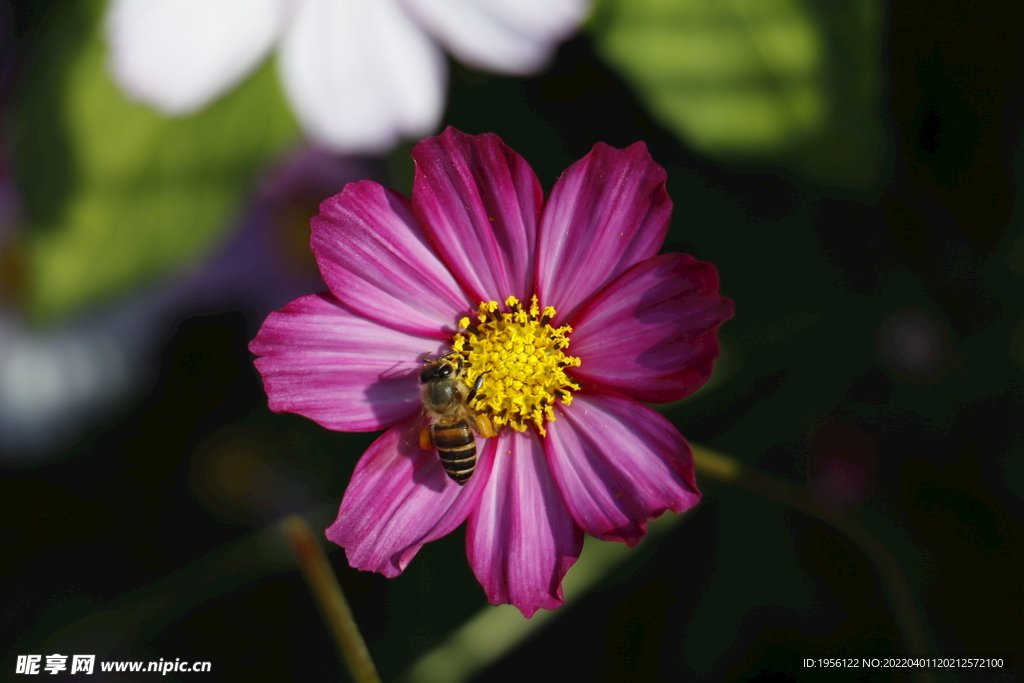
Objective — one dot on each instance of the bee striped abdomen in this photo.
(457, 448)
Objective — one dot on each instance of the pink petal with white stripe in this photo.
(376, 260)
(651, 334)
(400, 498)
(347, 373)
(521, 539)
(618, 464)
(479, 203)
(607, 212)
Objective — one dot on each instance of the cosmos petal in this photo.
(179, 55)
(374, 257)
(521, 539)
(618, 464)
(400, 498)
(479, 203)
(509, 36)
(607, 212)
(361, 75)
(348, 373)
(652, 333)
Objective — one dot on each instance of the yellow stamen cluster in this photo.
(521, 357)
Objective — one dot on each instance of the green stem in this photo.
(323, 584)
(909, 622)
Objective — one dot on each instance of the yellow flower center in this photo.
(523, 362)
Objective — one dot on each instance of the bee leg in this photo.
(426, 438)
(484, 426)
(476, 387)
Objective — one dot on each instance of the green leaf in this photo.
(780, 81)
(115, 194)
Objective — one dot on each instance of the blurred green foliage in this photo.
(780, 81)
(115, 194)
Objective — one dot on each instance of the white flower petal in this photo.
(360, 74)
(510, 36)
(179, 55)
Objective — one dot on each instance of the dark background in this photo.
(876, 356)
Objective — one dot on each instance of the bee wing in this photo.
(478, 422)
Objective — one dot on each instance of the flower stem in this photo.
(909, 622)
(323, 584)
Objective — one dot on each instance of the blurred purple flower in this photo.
(268, 262)
(359, 75)
(575, 450)
(56, 383)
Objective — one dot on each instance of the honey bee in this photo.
(452, 421)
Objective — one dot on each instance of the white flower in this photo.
(360, 74)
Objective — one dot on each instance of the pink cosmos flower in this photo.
(566, 309)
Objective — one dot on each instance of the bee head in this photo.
(445, 367)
